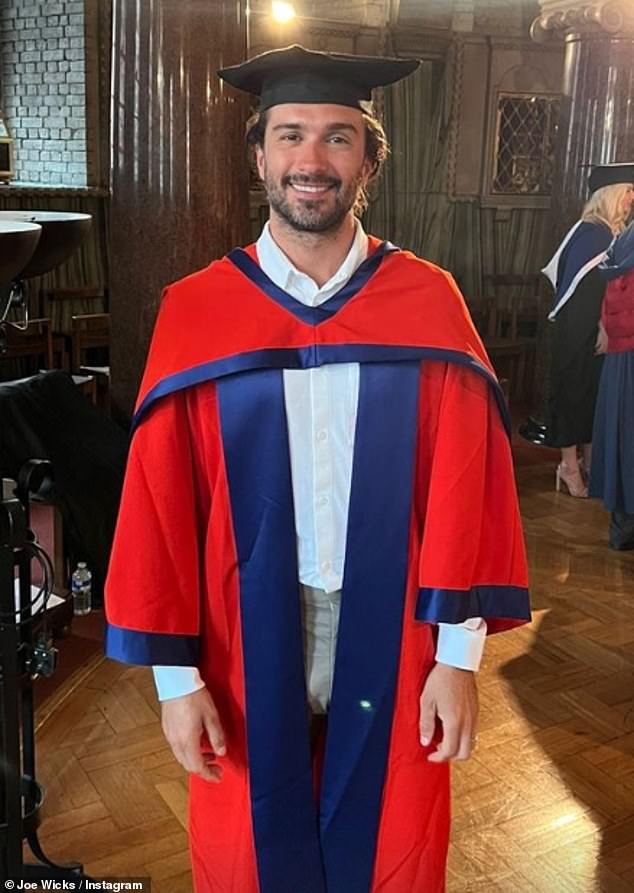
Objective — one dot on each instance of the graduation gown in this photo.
(204, 565)
(575, 370)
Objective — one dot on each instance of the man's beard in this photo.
(311, 216)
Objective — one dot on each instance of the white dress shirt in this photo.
(321, 412)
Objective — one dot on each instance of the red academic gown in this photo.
(204, 565)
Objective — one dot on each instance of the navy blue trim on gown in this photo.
(458, 605)
(255, 441)
(312, 356)
(147, 649)
(299, 847)
(589, 240)
(370, 624)
(312, 316)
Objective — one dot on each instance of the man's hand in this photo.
(184, 720)
(451, 696)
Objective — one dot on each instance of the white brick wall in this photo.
(42, 89)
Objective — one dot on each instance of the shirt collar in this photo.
(285, 275)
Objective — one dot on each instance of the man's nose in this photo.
(313, 156)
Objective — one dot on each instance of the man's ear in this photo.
(369, 167)
(259, 160)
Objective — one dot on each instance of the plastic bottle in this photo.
(82, 589)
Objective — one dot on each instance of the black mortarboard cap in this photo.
(609, 175)
(295, 74)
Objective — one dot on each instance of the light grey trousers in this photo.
(320, 622)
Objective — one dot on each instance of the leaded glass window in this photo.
(525, 143)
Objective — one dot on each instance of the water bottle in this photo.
(81, 586)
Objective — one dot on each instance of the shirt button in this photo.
(323, 500)
(322, 434)
(325, 565)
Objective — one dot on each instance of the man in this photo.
(320, 486)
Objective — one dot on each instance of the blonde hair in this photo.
(606, 206)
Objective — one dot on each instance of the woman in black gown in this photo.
(576, 360)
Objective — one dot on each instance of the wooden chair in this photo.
(506, 316)
(522, 313)
(89, 331)
(515, 304)
(509, 361)
(63, 303)
(482, 311)
(31, 348)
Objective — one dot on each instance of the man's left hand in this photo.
(451, 696)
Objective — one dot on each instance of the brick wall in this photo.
(42, 89)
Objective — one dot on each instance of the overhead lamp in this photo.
(282, 12)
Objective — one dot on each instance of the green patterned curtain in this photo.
(483, 240)
(411, 207)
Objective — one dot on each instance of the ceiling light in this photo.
(282, 11)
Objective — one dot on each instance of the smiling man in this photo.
(316, 195)
(319, 522)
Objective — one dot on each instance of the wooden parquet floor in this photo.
(546, 804)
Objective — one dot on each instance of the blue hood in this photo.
(620, 257)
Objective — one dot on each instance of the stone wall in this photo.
(42, 89)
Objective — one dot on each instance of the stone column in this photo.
(179, 164)
(597, 115)
(597, 122)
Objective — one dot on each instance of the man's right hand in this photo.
(184, 720)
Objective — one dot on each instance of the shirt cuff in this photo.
(174, 682)
(461, 645)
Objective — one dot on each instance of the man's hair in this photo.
(376, 147)
(606, 206)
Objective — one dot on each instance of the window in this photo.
(526, 137)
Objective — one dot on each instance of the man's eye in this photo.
(290, 137)
(337, 138)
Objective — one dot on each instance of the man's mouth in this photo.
(312, 189)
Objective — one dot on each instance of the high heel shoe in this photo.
(584, 469)
(573, 481)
